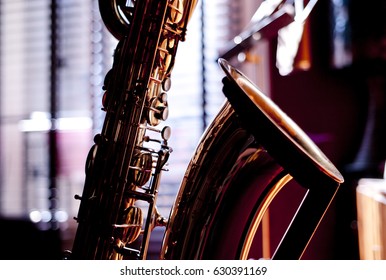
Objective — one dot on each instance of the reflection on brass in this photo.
(282, 122)
(260, 214)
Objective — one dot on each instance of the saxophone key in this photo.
(128, 12)
(105, 100)
(166, 84)
(107, 79)
(161, 112)
(165, 132)
(158, 111)
(90, 160)
(163, 97)
(176, 11)
(141, 168)
(130, 229)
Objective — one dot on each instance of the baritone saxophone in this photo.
(249, 152)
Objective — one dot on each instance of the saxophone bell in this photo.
(226, 192)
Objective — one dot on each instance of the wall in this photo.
(331, 105)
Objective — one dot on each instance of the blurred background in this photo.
(53, 58)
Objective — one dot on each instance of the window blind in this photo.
(84, 55)
(25, 101)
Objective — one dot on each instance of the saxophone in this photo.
(249, 152)
(124, 166)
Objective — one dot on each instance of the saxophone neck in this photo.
(188, 8)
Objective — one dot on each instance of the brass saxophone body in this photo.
(124, 166)
(246, 156)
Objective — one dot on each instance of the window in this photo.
(31, 88)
